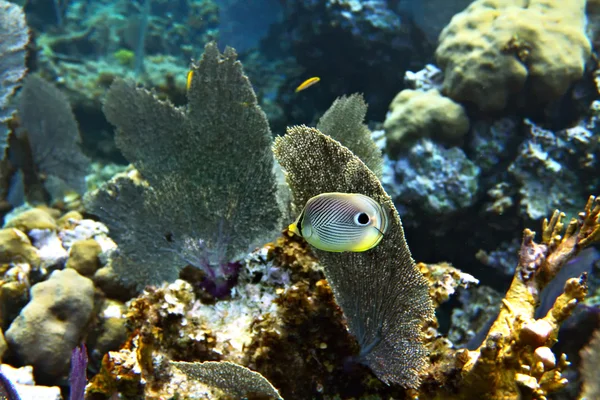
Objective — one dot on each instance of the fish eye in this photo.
(361, 219)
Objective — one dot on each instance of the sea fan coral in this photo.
(211, 192)
(383, 295)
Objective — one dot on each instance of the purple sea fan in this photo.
(78, 375)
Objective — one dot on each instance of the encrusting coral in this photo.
(59, 310)
(495, 50)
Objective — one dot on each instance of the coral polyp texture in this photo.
(496, 51)
(382, 293)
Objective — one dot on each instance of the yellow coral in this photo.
(415, 114)
(515, 358)
(492, 48)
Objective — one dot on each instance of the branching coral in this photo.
(515, 360)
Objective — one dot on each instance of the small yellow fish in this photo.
(307, 83)
(339, 222)
(190, 75)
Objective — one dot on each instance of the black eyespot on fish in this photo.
(169, 237)
(361, 219)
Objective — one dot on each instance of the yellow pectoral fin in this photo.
(294, 229)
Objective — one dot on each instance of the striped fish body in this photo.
(339, 222)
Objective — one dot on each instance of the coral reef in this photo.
(504, 132)
(435, 180)
(497, 51)
(549, 169)
(515, 356)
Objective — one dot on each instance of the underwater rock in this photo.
(445, 280)
(14, 293)
(68, 220)
(416, 114)
(111, 331)
(355, 46)
(56, 315)
(436, 180)
(590, 359)
(111, 285)
(426, 79)
(548, 169)
(83, 257)
(493, 143)
(51, 251)
(479, 306)
(498, 50)
(84, 229)
(432, 15)
(24, 384)
(503, 259)
(14, 36)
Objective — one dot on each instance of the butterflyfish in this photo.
(307, 83)
(339, 222)
(188, 83)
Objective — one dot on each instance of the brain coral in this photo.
(415, 114)
(498, 48)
